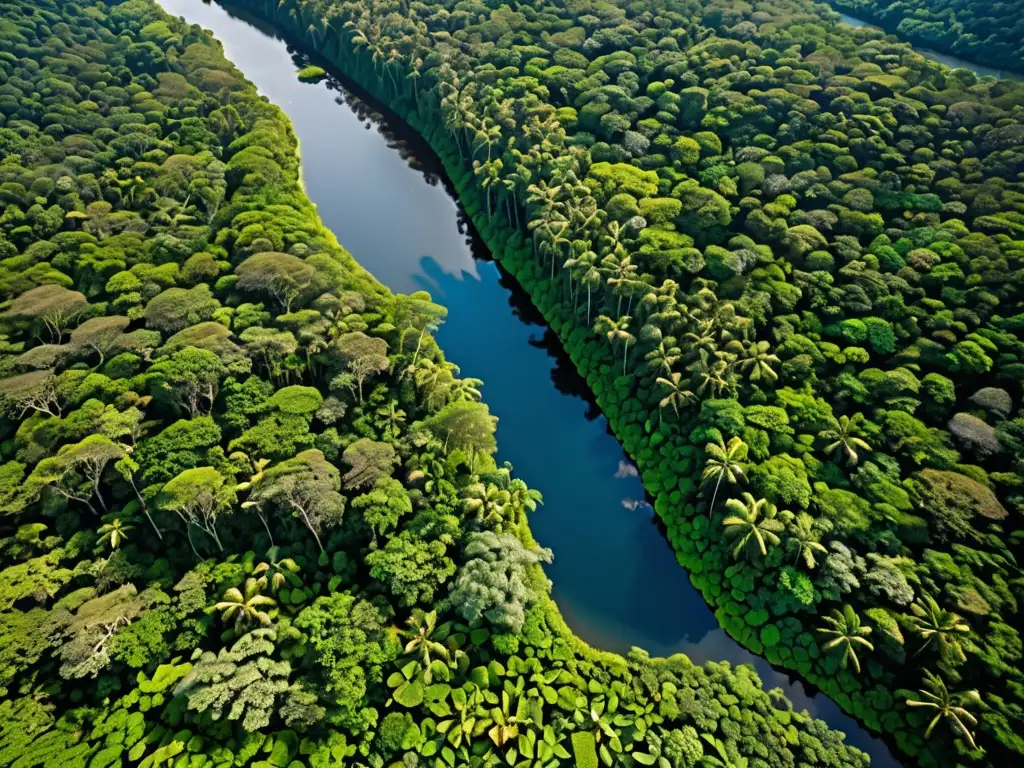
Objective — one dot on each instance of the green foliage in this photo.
(796, 227)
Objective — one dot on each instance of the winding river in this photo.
(382, 191)
(951, 61)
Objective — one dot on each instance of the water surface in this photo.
(381, 191)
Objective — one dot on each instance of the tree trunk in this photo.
(263, 519)
(711, 509)
(309, 525)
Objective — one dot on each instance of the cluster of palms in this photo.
(755, 525)
(522, 162)
(248, 606)
(498, 500)
(688, 343)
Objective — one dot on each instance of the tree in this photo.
(723, 463)
(245, 605)
(307, 487)
(32, 391)
(843, 435)
(280, 276)
(198, 496)
(345, 638)
(75, 472)
(52, 306)
(951, 707)
(84, 636)
(362, 355)
(847, 632)
(420, 642)
(752, 521)
(243, 682)
(126, 467)
(190, 379)
(946, 628)
(114, 533)
(106, 336)
(676, 393)
(494, 582)
(465, 426)
(411, 568)
(383, 506)
(175, 309)
(805, 540)
(755, 360)
(368, 462)
(617, 332)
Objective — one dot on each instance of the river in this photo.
(951, 61)
(382, 191)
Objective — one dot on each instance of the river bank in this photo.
(615, 578)
(948, 59)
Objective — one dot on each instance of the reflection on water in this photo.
(380, 189)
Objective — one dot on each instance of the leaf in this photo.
(480, 676)
(479, 636)
(644, 759)
(525, 747)
(606, 756)
(409, 694)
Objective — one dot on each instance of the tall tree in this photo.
(752, 521)
(847, 633)
(306, 486)
(723, 462)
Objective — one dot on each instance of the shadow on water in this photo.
(383, 192)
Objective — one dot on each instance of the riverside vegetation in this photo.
(978, 31)
(250, 515)
(785, 255)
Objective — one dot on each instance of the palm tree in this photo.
(465, 389)
(390, 418)
(490, 177)
(616, 331)
(420, 632)
(486, 502)
(755, 360)
(521, 498)
(259, 466)
(676, 392)
(843, 434)
(711, 373)
(802, 533)
(723, 463)
(621, 274)
(933, 622)
(114, 533)
(282, 573)
(752, 520)
(245, 606)
(846, 631)
(951, 707)
(663, 356)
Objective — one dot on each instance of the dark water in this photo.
(951, 61)
(380, 190)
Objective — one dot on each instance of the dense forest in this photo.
(249, 515)
(985, 32)
(785, 255)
